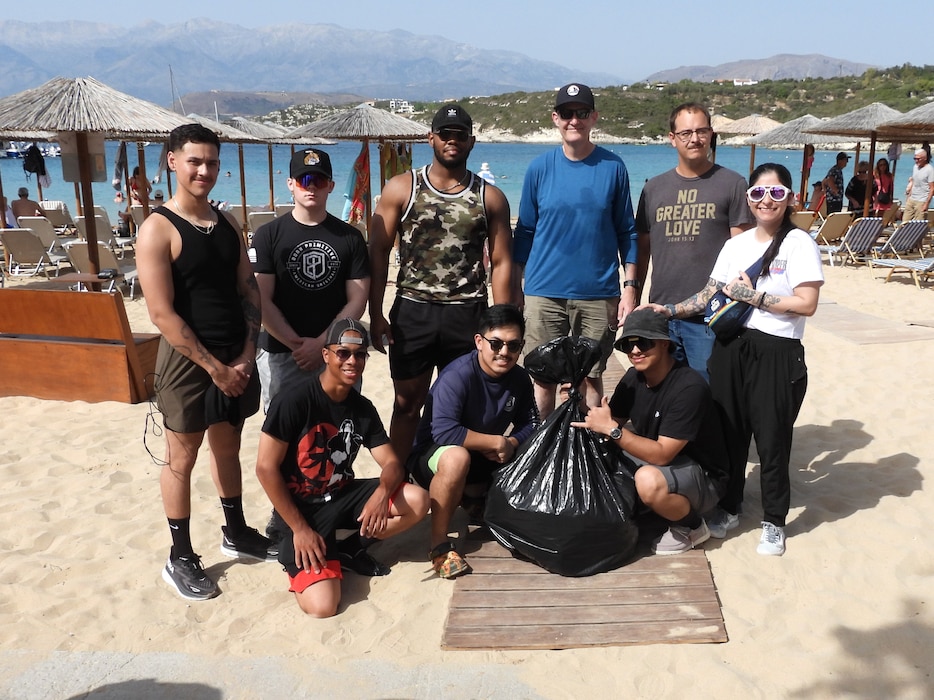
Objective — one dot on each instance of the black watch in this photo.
(616, 433)
(631, 283)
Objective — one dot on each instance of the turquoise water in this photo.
(508, 163)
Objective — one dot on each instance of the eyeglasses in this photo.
(569, 114)
(496, 344)
(452, 135)
(918, 158)
(863, 172)
(343, 354)
(308, 180)
(703, 134)
(777, 193)
(628, 344)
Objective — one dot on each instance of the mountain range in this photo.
(782, 66)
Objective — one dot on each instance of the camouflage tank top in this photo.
(442, 243)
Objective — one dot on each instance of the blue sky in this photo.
(629, 39)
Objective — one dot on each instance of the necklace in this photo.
(206, 230)
(461, 183)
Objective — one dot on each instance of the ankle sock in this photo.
(181, 537)
(233, 514)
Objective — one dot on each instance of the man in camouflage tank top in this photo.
(445, 218)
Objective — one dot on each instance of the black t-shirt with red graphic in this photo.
(323, 438)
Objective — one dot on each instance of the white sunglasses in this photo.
(777, 193)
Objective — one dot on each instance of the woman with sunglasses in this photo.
(885, 186)
(758, 378)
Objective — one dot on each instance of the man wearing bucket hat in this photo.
(675, 449)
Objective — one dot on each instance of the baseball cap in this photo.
(452, 115)
(342, 325)
(309, 161)
(575, 92)
(645, 323)
(841, 154)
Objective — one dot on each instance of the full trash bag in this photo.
(565, 501)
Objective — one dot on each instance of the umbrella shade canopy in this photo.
(224, 132)
(364, 122)
(860, 123)
(263, 132)
(86, 105)
(793, 134)
(916, 125)
(718, 120)
(748, 126)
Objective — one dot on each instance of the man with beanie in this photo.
(675, 449)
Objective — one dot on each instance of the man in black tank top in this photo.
(202, 297)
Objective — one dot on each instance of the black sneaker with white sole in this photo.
(187, 576)
(250, 544)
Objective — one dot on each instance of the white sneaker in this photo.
(680, 539)
(720, 522)
(772, 541)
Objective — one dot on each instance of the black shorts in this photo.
(429, 334)
(424, 465)
(325, 518)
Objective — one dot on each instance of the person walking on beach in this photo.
(833, 184)
(445, 217)
(685, 215)
(203, 298)
(311, 437)
(919, 191)
(758, 377)
(575, 229)
(478, 412)
(311, 268)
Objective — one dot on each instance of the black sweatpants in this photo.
(758, 382)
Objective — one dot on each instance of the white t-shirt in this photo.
(921, 179)
(798, 261)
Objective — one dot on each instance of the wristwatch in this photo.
(631, 283)
(616, 433)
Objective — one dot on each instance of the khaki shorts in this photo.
(547, 319)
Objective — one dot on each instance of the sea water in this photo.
(508, 162)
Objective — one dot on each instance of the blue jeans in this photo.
(693, 343)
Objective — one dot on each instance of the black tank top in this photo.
(204, 278)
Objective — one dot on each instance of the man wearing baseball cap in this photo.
(444, 217)
(833, 184)
(575, 229)
(311, 437)
(675, 449)
(311, 268)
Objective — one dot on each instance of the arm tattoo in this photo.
(696, 303)
(770, 300)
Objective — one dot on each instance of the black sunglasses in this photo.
(496, 344)
(568, 114)
(452, 135)
(312, 179)
(343, 354)
(627, 345)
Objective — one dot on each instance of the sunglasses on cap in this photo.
(496, 344)
(627, 345)
(452, 135)
(309, 180)
(777, 193)
(343, 354)
(569, 114)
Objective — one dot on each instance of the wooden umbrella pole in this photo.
(78, 206)
(272, 195)
(870, 180)
(752, 159)
(84, 170)
(246, 215)
(143, 184)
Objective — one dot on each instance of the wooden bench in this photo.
(73, 346)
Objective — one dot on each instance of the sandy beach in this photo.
(847, 612)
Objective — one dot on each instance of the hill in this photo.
(780, 67)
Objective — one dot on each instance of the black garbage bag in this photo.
(565, 501)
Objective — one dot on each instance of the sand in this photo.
(845, 613)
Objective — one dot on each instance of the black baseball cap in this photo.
(842, 155)
(310, 161)
(574, 93)
(342, 325)
(452, 115)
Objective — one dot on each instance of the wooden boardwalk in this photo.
(511, 604)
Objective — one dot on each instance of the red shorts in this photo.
(303, 579)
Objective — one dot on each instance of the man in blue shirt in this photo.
(575, 229)
(480, 409)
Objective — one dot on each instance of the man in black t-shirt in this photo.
(675, 448)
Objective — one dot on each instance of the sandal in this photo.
(446, 562)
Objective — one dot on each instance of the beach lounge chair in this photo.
(57, 212)
(26, 256)
(804, 220)
(237, 211)
(831, 232)
(105, 234)
(905, 242)
(890, 215)
(919, 267)
(859, 241)
(282, 209)
(258, 218)
(78, 254)
(43, 228)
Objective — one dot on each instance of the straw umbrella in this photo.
(749, 126)
(860, 123)
(364, 123)
(77, 109)
(916, 125)
(793, 135)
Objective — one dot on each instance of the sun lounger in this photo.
(78, 254)
(43, 228)
(26, 256)
(804, 220)
(919, 267)
(858, 243)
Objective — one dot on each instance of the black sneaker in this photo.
(187, 576)
(250, 544)
(275, 527)
(362, 563)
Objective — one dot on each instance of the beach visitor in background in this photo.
(919, 191)
(675, 449)
(311, 437)
(884, 187)
(758, 378)
(202, 297)
(138, 188)
(486, 174)
(856, 188)
(24, 206)
(311, 268)
(575, 230)
(833, 184)
(685, 215)
(9, 219)
(444, 217)
(478, 412)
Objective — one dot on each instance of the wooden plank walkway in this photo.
(511, 604)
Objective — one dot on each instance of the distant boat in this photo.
(52, 150)
(14, 150)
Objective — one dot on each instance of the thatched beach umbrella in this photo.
(860, 124)
(364, 123)
(77, 108)
(749, 126)
(915, 125)
(793, 134)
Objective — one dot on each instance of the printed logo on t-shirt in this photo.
(683, 220)
(778, 267)
(313, 265)
(325, 457)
